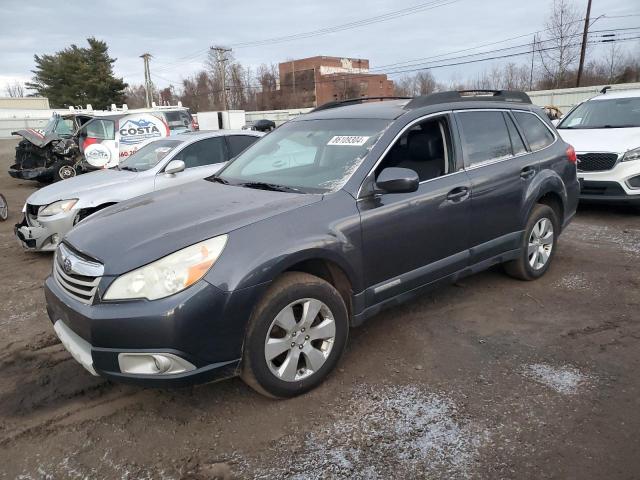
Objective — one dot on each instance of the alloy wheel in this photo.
(540, 243)
(300, 339)
(66, 171)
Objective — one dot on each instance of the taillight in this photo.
(571, 155)
(194, 124)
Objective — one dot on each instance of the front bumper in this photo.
(611, 186)
(607, 192)
(39, 174)
(203, 325)
(46, 236)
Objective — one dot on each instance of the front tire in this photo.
(538, 245)
(296, 336)
(63, 170)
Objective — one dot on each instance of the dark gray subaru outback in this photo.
(262, 269)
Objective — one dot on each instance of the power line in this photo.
(466, 62)
(348, 26)
(323, 31)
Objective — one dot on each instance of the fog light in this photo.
(634, 182)
(55, 239)
(153, 363)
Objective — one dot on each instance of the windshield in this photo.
(312, 156)
(149, 155)
(65, 126)
(51, 124)
(613, 113)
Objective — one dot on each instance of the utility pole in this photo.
(533, 54)
(148, 87)
(221, 59)
(583, 49)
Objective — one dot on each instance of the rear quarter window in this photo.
(178, 120)
(535, 131)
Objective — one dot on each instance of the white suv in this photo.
(605, 132)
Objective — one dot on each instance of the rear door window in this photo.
(535, 131)
(202, 153)
(238, 143)
(484, 136)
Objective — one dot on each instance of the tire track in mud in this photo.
(44, 390)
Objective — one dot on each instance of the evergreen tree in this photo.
(78, 76)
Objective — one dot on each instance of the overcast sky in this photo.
(178, 34)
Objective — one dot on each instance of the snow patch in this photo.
(627, 240)
(384, 432)
(574, 282)
(565, 379)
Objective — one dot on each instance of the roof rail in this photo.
(351, 101)
(465, 95)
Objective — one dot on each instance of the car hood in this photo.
(146, 228)
(37, 137)
(82, 186)
(617, 140)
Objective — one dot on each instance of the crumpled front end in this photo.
(42, 234)
(37, 159)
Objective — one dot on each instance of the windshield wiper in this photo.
(270, 186)
(216, 178)
(130, 169)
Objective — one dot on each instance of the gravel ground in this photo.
(488, 378)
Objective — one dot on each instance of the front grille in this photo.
(596, 162)
(78, 276)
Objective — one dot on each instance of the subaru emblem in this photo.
(66, 265)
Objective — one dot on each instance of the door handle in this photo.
(458, 194)
(527, 172)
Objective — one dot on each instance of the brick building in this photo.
(310, 82)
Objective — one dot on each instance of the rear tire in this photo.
(296, 336)
(538, 245)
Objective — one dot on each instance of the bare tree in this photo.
(15, 90)
(560, 47)
(422, 83)
(403, 87)
(135, 96)
(613, 60)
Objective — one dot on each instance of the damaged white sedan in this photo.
(52, 211)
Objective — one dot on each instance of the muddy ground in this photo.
(490, 378)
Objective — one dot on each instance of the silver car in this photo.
(52, 211)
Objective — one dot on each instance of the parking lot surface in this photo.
(488, 378)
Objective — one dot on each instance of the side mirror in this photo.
(397, 180)
(173, 167)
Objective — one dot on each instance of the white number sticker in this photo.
(353, 140)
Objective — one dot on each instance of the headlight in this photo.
(170, 274)
(57, 207)
(631, 155)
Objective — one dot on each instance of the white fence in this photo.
(12, 120)
(278, 116)
(566, 98)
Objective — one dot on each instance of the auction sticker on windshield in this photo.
(353, 140)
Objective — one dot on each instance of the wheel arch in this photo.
(548, 189)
